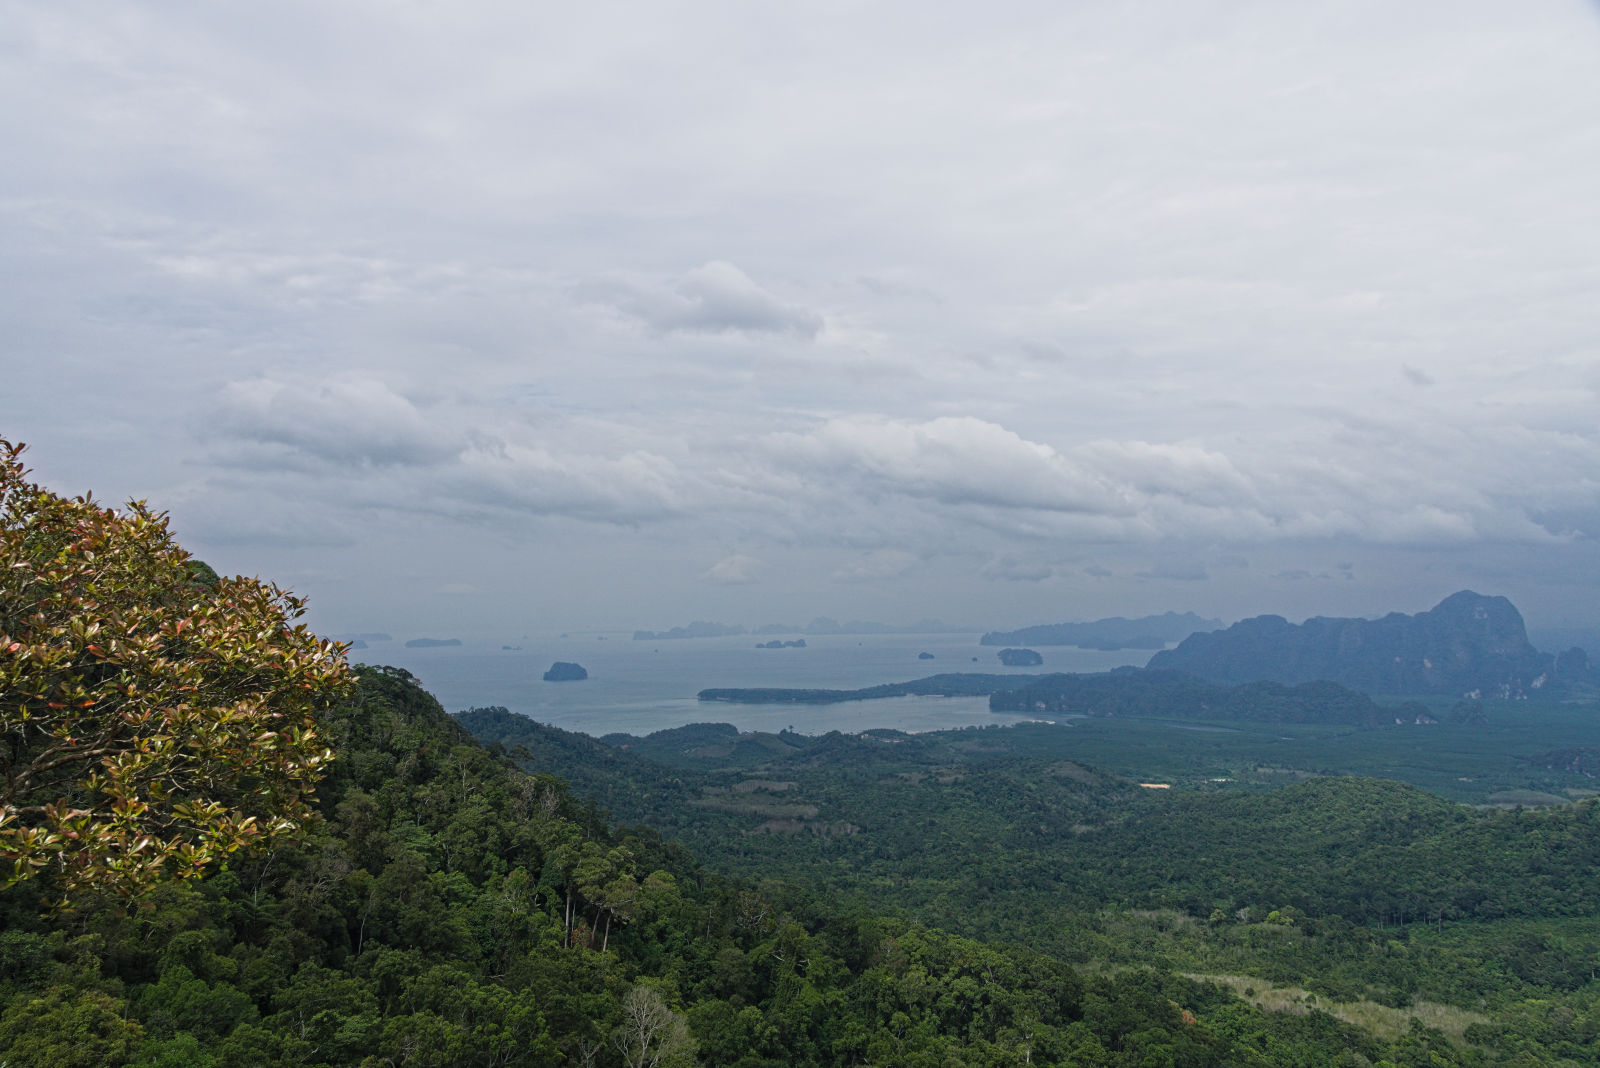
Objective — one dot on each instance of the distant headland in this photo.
(1108, 635)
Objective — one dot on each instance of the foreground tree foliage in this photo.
(155, 719)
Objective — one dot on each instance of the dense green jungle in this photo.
(484, 890)
(450, 909)
(1435, 873)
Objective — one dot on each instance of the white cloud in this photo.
(349, 418)
(734, 570)
(952, 460)
(632, 487)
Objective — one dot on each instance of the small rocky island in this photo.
(924, 656)
(1020, 658)
(798, 643)
(563, 671)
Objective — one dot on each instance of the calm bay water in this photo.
(643, 686)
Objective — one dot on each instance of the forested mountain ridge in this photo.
(1014, 813)
(1468, 645)
(451, 910)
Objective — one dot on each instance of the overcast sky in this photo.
(483, 318)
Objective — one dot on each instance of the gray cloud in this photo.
(1177, 570)
(876, 566)
(457, 589)
(1152, 491)
(1414, 376)
(351, 294)
(1011, 567)
(715, 298)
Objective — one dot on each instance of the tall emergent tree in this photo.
(153, 718)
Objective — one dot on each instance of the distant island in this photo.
(823, 625)
(955, 685)
(924, 656)
(1468, 645)
(698, 629)
(563, 671)
(1146, 632)
(820, 626)
(798, 643)
(432, 643)
(1020, 658)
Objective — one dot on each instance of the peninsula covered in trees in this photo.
(1146, 632)
(1124, 692)
(950, 685)
(1173, 695)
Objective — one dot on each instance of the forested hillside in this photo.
(451, 910)
(1013, 816)
(1371, 895)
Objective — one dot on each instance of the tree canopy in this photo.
(153, 718)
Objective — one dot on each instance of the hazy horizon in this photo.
(487, 319)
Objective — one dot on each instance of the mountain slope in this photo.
(1467, 645)
(455, 911)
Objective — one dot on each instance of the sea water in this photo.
(636, 687)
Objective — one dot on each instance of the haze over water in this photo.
(642, 686)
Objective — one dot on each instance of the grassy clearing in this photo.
(1380, 1020)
